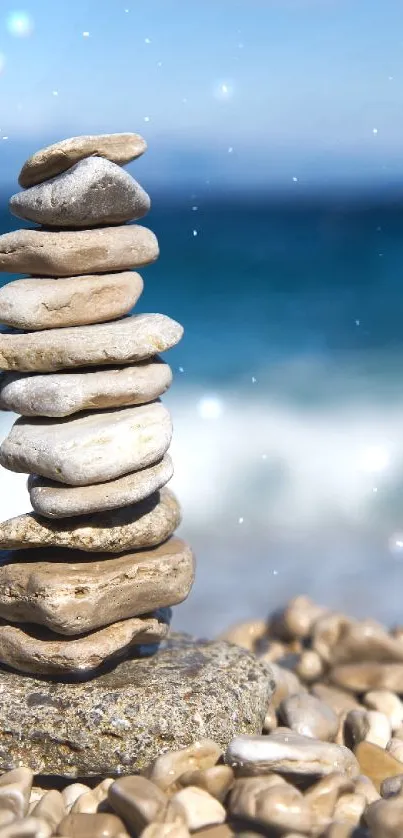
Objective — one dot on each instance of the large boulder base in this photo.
(119, 722)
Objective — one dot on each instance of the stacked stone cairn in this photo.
(90, 574)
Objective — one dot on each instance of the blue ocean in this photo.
(287, 400)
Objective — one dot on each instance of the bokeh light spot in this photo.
(20, 24)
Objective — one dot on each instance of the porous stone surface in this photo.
(39, 651)
(42, 303)
(55, 500)
(56, 158)
(132, 339)
(91, 448)
(93, 191)
(61, 394)
(72, 593)
(190, 689)
(71, 252)
(143, 524)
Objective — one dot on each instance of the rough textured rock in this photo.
(71, 252)
(92, 448)
(43, 303)
(144, 524)
(42, 652)
(71, 593)
(93, 191)
(289, 753)
(55, 500)
(131, 339)
(60, 394)
(56, 158)
(120, 721)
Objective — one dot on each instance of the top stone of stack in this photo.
(56, 158)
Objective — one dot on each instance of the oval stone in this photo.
(43, 303)
(71, 252)
(56, 158)
(93, 191)
(55, 500)
(61, 394)
(72, 593)
(143, 524)
(132, 339)
(289, 753)
(91, 448)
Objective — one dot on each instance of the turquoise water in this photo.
(287, 402)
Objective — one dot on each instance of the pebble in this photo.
(247, 634)
(395, 747)
(46, 653)
(91, 448)
(132, 339)
(91, 192)
(50, 808)
(296, 620)
(15, 791)
(70, 596)
(76, 252)
(56, 158)
(72, 792)
(339, 639)
(363, 785)
(376, 763)
(27, 828)
(140, 802)
(392, 786)
(310, 666)
(93, 800)
(339, 700)
(355, 728)
(361, 677)
(279, 807)
(167, 768)
(55, 500)
(92, 826)
(144, 524)
(385, 818)
(43, 303)
(201, 808)
(119, 722)
(388, 703)
(287, 684)
(217, 780)
(350, 807)
(289, 753)
(323, 796)
(173, 830)
(61, 394)
(308, 715)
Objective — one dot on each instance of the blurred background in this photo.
(275, 166)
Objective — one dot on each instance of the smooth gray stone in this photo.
(94, 191)
(43, 303)
(120, 721)
(61, 394)
(75, 252)
(92, 448)
(56, 158)
(55, 500)
(132, 339)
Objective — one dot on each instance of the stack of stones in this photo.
(89, 575)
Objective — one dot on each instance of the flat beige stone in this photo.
(49, 161)
(55, 500)
(43, 303)
(129, 340)
(71, 252)
(92, 448)
(71, 595)
(44, 653)
(94, 191)
(60, 394)
(144, 524)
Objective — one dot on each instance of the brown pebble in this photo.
(92, 826)
(295, 621)
(246, 634)
(323, 796)
(376, 763)
(216, 780)
(50, 808)
(350, 807)
(363, 785)
(309, 716)
(139, 802)
(166, 769)
(280, 806)
(386, 702)
(310, 666)
(201, 809)
(356, 727)
(72, 792)
(15, 791)
(92, 800)
(221, 831)
(339, 700)
(385, 818)
(167, 830)
(286, 683)
(28, 828)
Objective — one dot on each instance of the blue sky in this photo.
(263, 91)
